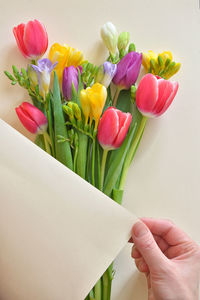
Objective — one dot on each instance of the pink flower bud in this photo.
(154, 95)
(32, 118)
(31, 39)
(113, 127)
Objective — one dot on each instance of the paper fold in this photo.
(58, 234)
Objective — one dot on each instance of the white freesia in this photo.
(109, 35)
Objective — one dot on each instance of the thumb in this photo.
(147, 246)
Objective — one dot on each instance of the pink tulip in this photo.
(32, 118)
(113, 127)
(154, 95)
(31, 39)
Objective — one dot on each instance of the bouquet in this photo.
(92, 118)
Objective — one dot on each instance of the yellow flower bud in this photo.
(85, 105)
(146, 57)
(92, 102)
(97, 95)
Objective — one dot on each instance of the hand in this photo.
(168, 257)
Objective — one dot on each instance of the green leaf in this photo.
(82, 154)
(117, 195)
(116, 161)
(39, 141)
(63, 151)
(124, 101)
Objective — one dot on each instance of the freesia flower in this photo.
(66, 56)
(160, 64)
(105, 73)
(154, 95)
(92, 102)
(109, 36)
(32, 118)
(44, 68)
(113, 127)
(123, 40)
(128, 70)
(31, 39)
(32, 75)
(70, 75)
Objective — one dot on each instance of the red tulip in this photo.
(113, 127)
(31, 39)
(154, 95)
(32, 118)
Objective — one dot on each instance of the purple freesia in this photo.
(70, 75)
(105, 73)
(43, 69)
(128, 70)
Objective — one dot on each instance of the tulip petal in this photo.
(126, 118)
(35, 38)
(34, 114)
(28, 123)
(170, 99)
(133, 71)
(108, 128)
(147, 93)
(19, 34)
(165, 89)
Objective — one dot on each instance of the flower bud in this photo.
(109, 36)
(105, 73)
(123, 41)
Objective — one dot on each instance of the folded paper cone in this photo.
(58, 233)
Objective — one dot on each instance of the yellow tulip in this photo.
(65, 56)
(92, 102)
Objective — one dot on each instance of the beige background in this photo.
(164, 179)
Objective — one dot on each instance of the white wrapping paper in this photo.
(58, 234)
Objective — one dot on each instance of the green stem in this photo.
(98, 166)
(93, 161)
(97, 290)
(50, 127)
(103, 164)
(118, 90)
(47, 142)
(75, 158)
(88, 161)
(132, 152)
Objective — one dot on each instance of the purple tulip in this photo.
(70, 75)
(128, 70)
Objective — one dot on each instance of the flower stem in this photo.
(97, 290)
(50, 126)
(47, 142)
(93, 161)
(118, 90)
(131, 153)
(103, 164)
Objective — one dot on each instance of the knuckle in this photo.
(148, 244)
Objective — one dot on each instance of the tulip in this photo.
(109, 36)
(44, 68)
(31, 39)
(70, 76)
(65, 56)
(32, 118)
(105, 73)
(128, 70)
(113, 127)
(92, 102)
(154, 95)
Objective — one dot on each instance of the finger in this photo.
(167, 230)
(135, 253)
(162, 244)
(186, 250)
(147, 246)
(141, 265)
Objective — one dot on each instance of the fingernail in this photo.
(139, 229)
